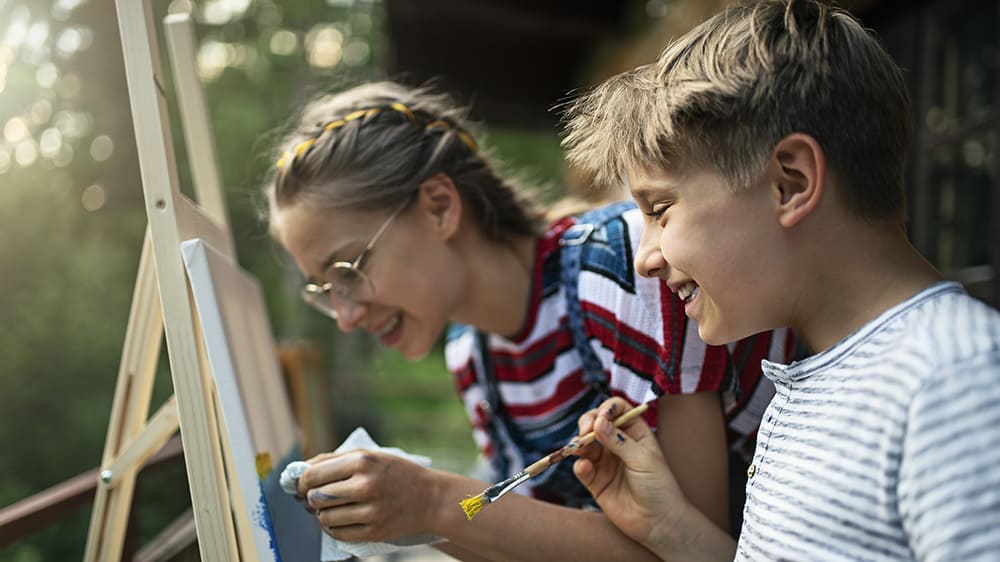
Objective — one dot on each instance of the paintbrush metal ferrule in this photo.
(498, 490)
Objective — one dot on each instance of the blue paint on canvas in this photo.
(294, 529)
(262, 518)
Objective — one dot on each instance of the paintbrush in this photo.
(475, 504)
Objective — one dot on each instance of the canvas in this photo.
(256, 412)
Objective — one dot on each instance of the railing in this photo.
(300, 364)
(44, 509)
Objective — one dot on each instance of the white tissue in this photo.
(289, 478)
(341, 550)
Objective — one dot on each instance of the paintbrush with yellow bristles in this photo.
(475, 504)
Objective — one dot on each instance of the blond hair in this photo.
(368, 148)
(726, 92)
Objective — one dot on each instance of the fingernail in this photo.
(612, 410)
(621, 438)
(318, 496)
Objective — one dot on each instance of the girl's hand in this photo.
(367, 496)
(628, 475)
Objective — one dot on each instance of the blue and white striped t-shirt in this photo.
(887, 445)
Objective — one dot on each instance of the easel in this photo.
(161, 303)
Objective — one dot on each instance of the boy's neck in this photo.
(856, 278)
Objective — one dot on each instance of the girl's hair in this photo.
(368, 149)
(726, 92)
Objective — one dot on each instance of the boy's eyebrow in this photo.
(649, 188)
(639, 196)
(647, 191)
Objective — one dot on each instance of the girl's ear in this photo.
(440, 200)
(799, 177)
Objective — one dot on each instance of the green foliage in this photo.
(534, 157)
(67, 288)
(423, 413)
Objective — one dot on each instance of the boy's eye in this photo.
(657, 211)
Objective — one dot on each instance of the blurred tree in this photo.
(73, 219)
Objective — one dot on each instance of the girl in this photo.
(384, 199)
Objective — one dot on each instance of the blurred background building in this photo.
(72, 214)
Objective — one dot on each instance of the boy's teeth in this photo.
(687, 291)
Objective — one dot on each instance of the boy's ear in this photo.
(440, 199)
(799, 179)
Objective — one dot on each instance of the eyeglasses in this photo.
(345, 279)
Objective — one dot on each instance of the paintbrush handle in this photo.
(580, 442)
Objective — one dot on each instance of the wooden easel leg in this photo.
(163, 305)
(129, 411)
(199, 433)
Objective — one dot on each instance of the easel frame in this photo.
(162, 305)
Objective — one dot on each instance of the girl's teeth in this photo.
(390, 326)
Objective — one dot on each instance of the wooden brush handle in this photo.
(539, 466)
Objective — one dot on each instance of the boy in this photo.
(766, 148)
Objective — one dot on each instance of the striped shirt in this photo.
(887, 445)
(637, 329)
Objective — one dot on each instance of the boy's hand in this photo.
(628, 475)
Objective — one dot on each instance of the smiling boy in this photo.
(766, 148)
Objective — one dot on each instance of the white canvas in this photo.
(255, 407)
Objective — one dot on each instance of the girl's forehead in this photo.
(312, 235)
(302, 221)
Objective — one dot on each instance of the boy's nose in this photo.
(649, 260)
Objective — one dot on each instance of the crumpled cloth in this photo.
(332, 549)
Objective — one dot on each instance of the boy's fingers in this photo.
(624, 442)
(584, 470)
(586, 422)
(638, 430)
(610, 408)
(605, 413)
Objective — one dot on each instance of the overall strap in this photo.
(499, 431)
(573, 242)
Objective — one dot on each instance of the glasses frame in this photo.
(317, 295)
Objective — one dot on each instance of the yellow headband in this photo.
(304, 146)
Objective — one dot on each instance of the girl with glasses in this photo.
(386, 202)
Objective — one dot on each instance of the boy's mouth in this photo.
(688, 291)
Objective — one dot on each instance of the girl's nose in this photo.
(349, 313)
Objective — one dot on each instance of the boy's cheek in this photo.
(671, 245)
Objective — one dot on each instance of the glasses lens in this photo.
(318, 297)
(344, 282)
(350, 283)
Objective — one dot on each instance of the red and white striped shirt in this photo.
(638, 330)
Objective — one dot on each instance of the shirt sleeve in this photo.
(949, 485)
(648, 346)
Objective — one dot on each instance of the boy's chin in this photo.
(711, 338)
(717, 335)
